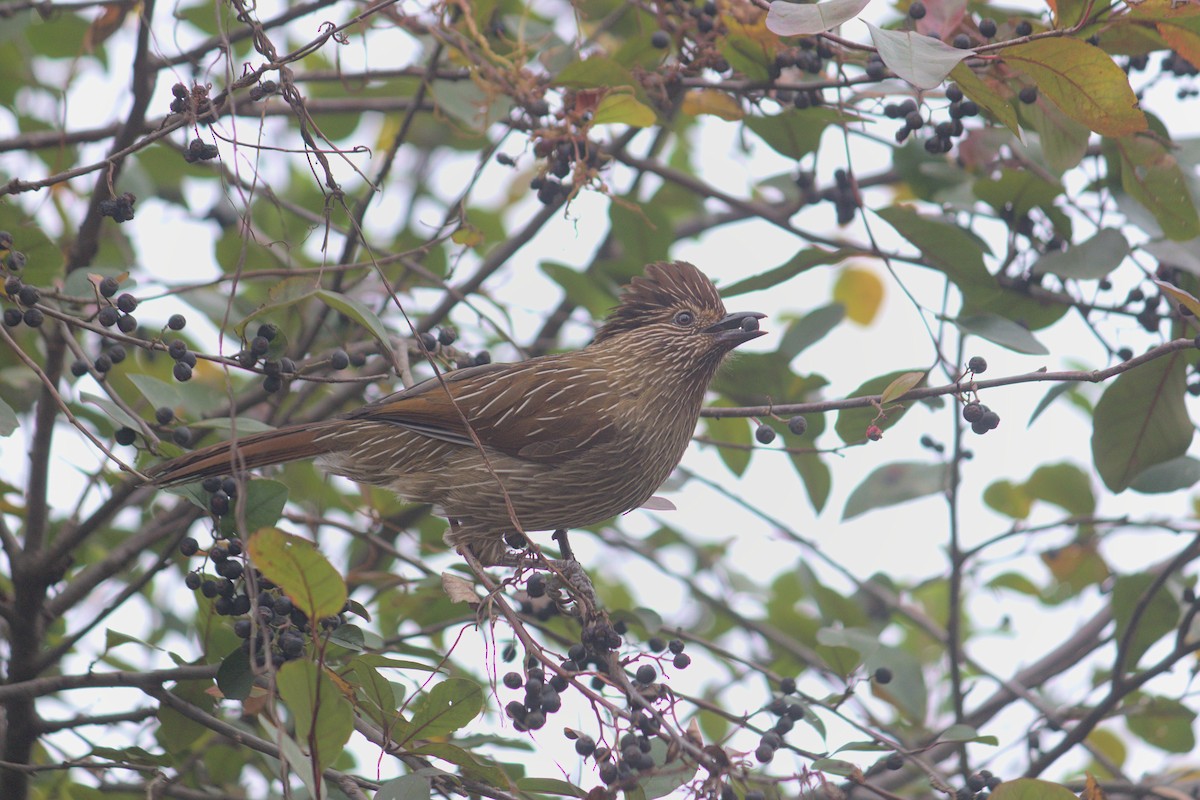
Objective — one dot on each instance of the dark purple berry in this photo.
(646, 674)
(338, 359)
(164, 414)
(182, 372)
(977, 364)
(917, 10)
(177, 322)
(13, 317)
(108, 316)
(764, 434)
(883, 675)
(33, 317)
(109, 286)
(181, 437)
(125, 436)
(127, 302)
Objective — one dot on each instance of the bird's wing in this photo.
(520, 410)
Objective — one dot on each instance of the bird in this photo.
(575, 438)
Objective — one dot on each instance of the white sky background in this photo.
(906, 542)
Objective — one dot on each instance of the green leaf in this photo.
(1062, 140)
(734, 431)
(8, 419)
(947, 247)
(360, 314)
(295, 565)
(451, 704)
(176, 732)
(1141, 421)
(1002, 331)
(619, 107)
(1031, 789)
(893, 484)
(265, 499)
(1163, 723)
(1093, 259)
(323, 717)
(595, 73)
(235, 678)
(1083, 81)
(965, 733)
(1169, 476)
(1017, 191)
(550, 786)
(1158, 615)
(795, 134)
(1064, 485)
(810, 329)
(986, 94)
(835, 766)
(1151, 175)
(851, 425)
(801, 262)
(406, 787)
(907, 691)
(921, 60)
(1008, 498)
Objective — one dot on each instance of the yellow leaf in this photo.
(711, 101)
(468, 235)
(1181, 297)
(861, 292)
(901, 386)
(1083, 81)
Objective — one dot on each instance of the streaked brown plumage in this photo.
(576, 437)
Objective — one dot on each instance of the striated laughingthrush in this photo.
(575, 437)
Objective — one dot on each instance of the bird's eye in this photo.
(684, 319)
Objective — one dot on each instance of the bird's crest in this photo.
(666, 284)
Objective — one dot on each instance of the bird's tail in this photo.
(293, 443)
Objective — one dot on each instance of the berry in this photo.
(339, 360)
(656, 644)
(259, 346)
(13, 317)
(211, 484)
(109, 286)
(977, 364)
(12, 285)
(181, 437)
(917, 10)
(447, 336)
(189, 546)
(536, 585)
(127, 324)
(787, 685)
(108, 316)
(127, 302)
(972, 412)
(976, 782)
(764, 753)
(116, 353)
(585, 746)
(990, 420)
(1125, 353)
(513, 680)
(182, 372)
(660, 40)
(675, 646)
(483, 357)
(219, 503)
(164, 414)
(883, 675)
(28, 296)
(682, 661)
(33, 317)
(272, 384)
(894, 761)
(646, 674)
(987, 28)
(961, 41)
(1028, 94)
(79, 367)
(177, 322)
(125, 436)
(102, 363)
(428, 341)
(764, 434)
(1024, 28)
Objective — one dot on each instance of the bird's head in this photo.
(673, 314)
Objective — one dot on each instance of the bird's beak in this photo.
(737, 328)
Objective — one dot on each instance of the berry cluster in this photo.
(200, 150)
(266, 339)
(982, 418)
(120, 208)
(185, 360)
(787, 714)
(263, 89)
(978, 786)
(196, 100)
(765, 434)
(844, 196)
(541, 697)
(27, 296)
(282, 630)
(944, 131)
